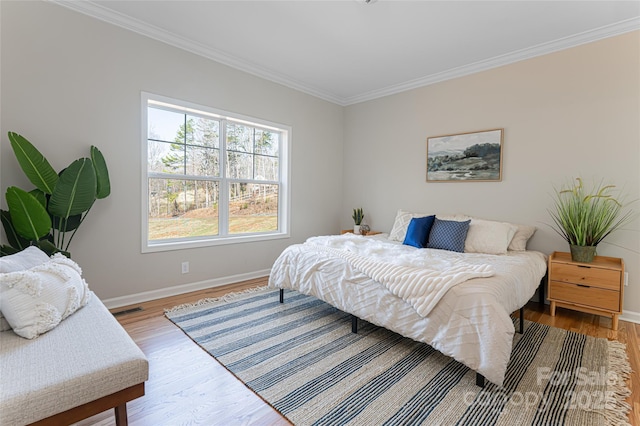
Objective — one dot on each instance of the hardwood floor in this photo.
(187, 386)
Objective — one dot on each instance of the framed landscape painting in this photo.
(473, 156)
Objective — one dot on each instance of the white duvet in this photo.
(420, 286)
(469, 321)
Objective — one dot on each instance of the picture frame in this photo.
(466, 157)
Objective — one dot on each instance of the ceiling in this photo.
(351, 51)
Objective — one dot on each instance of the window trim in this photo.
(284, 169)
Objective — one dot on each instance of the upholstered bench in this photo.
(85, 365)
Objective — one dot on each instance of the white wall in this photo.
(571, 113)
(70, 81)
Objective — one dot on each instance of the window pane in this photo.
(266, 168)
(239, 166)
(252, 208)
(267, 143)
(158, 154)
(164, 125)
(203, 132)
(172, 161)
(239, 138)
(182, 208)
(203, 161)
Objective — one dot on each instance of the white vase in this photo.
(356, 229)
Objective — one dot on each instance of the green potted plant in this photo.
(357, 216)
(49, 215)
(585, 217)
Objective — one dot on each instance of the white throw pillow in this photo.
(37, 299)
(401, 224)
(4, 325)
(487, 236)
(25, 259)
(523, 233)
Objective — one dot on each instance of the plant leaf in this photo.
(34, 165)
(28, 216)
(49, 248)
(71, 223)
(14, 240)
(75, 191)
(40, 196)
(102, 173)
(7, 250)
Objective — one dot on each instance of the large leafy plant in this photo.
(585, 217)
(49, 215)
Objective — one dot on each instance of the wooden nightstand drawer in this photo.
(591, 276)
(584, 295)
(594, 287)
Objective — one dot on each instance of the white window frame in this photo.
(223, 237)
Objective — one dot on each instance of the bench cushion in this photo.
(88, 356)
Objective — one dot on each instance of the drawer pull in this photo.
(582, 285)
(583, 266)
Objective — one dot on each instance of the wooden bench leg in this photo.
(281, 295)
(121, 415)
(354, 324)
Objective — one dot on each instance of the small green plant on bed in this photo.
(49, 215)
(357, 216)
(585, 217)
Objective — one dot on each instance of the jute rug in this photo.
(302, 358)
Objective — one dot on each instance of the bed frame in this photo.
(480, 380)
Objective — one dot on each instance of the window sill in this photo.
(210, 242)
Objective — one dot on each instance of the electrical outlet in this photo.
(185, 267)
(626, 278)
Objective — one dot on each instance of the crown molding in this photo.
(508, 58)
(94, 10)
(104, 14)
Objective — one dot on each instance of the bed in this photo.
(469, 319)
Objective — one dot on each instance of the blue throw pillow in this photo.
(448, 235)
(418, 231)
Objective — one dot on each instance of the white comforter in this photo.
(470, 322)
(422, 287)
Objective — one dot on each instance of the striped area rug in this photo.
(302, 358)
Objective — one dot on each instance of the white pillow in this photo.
(487, 236)
(523, 233)
(25, 259)
(454, 217)
(37, 299)
(401, 224)
(4, 325)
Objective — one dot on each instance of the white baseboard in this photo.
(630, 316)
(145, 296)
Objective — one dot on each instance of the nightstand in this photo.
(350, 231)
(595, 287)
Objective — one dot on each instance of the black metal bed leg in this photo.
(281, 295)
(479, 380)
(521, 320)
(354, 324)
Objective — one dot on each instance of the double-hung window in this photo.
(211, 177)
